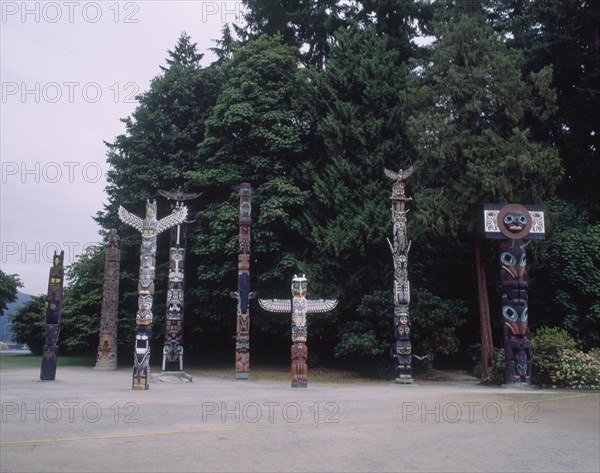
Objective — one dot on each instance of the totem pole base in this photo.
(172, 367)
(404, 380)
(298, 383)
(141, 381)
(49, 362)
(104, 368)
(172, 377)
(520, 386)
(105, 363)
(242, 375)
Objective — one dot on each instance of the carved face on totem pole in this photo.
(299, 286)
(514, 221)
(150, 223)
(513, 278)
(142, 343)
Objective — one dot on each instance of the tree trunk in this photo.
(484, 314)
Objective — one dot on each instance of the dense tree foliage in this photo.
(255, 133)
(307, 25)
(566, 35)
(468, 125)
(82, 300)
(28, 322)
(308, 102)
(158, 147)
(9, 286)
(567, 274)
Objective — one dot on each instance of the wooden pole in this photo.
(487, 345)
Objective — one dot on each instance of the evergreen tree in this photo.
(473, 145)
(158, 147)
(306, 24)
(255, 133)
(470, 131)
(400, 21)
(359, 116)
(224, 46)
(564, 34)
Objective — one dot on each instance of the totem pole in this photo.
(149, 227)
(512, 224)
(400, 248)
(173, 345)
(107, 348)
(53, 316)
(243, 294)
(299, 306)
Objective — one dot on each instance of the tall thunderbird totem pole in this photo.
(107, 348)
(513, 224)
(149, 227)
(300, 307)
(402, 351)
(173, 345)
(53, 316)
(243, 294)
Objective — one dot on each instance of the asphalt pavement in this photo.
(91, 421)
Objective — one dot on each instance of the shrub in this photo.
(497, 373)
(546, 346)
(578, 370)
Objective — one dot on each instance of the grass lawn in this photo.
(15, 361)
(261, 372)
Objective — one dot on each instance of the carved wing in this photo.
(130, 219)
(390, 174)
(321, 305)
(420, 357)
(400, 175)
(179, 195)
(276, 305)
(175, 218)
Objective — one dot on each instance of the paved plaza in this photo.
(91, 421)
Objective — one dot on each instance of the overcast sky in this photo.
(69, 71)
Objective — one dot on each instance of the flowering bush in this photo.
(547, 343)
(578, 370)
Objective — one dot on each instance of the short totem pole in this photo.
(300, 307)
(53, 317)
(243, 294)
(512, 224)
(402, 351)
(149, 227)
(107, 347)
(173, 345)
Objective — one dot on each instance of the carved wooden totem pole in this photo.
(243, 294)
(53, 316)
(107, 348)
(173, 345)
(300, 307)
(149, 227)
(402, 351)
(513, 224)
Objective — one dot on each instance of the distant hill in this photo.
(5, 329)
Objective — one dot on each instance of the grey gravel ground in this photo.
(91, 421)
